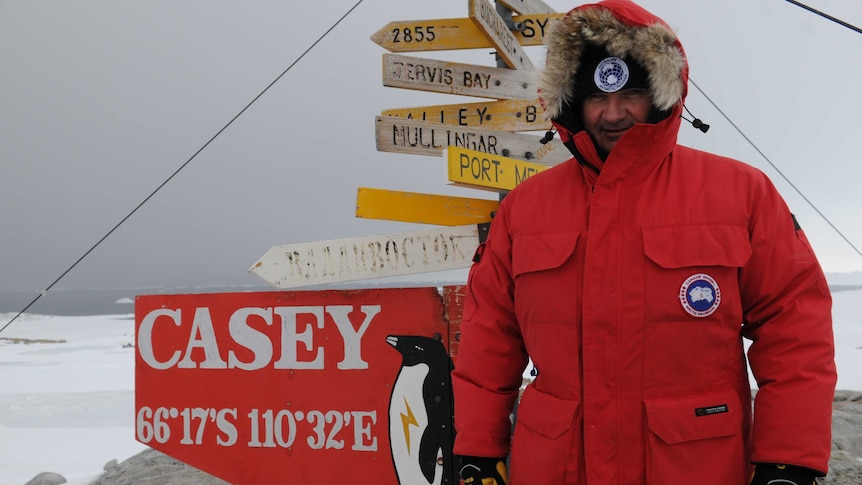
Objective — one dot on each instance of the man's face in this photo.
(608, 115)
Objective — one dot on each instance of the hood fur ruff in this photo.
(654, 46)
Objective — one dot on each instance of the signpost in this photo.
(455, 34)
(456, 78)
(400, 135)
(392, 205)
(507, 115)
(360, 258)
(481, 170)
(340, 386)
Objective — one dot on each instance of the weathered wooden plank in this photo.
(457, 78)
(358, 258)
(491, 172)
(455, 33)
(496, 30)
(506, 115)
(443, 210)
(527, 6)
(400, 135)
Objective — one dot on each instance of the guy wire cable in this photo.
(826, 16)
(823, 216)
(177, 171)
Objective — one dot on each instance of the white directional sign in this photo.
(527, 6)
(456, 78)
(359, 258)
(496, 30)
(401, 135)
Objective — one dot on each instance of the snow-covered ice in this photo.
(67, 388)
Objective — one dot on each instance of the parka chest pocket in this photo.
(692, 271)
(546, 276)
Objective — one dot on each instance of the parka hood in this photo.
(625, 30)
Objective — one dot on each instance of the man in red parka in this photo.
(630, 275)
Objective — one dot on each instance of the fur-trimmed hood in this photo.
(625, 30)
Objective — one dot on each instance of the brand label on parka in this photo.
(700, 295)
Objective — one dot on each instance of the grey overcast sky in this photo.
(100, 101)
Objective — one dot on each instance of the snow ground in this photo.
(67, 389)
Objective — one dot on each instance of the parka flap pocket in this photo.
(545, 414)
(688, 419)
(538, 252)
(698, 245)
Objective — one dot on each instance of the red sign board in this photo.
(299, 387)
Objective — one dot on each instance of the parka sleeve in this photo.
(491, 354)
(787, 308)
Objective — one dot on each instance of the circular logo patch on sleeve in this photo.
(700, 295)
(611, 74)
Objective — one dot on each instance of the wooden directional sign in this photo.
(454, 34)
(481, 170)
(400, 135)
(457, 78)
(392, 205)
(506, 115)
(527, 6)
(316, 263)
(496, 30)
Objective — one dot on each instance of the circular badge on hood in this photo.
(611, 74)
(700, 295)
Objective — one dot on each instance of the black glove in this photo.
(767, 473)
(477, 470)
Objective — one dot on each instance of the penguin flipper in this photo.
(429, 448)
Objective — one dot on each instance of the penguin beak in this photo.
(392, 340)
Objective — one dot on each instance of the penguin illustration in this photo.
(421, 431)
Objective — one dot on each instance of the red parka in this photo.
(632, 291)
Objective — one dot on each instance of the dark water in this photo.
(95, 302)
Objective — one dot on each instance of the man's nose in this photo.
(616, 109)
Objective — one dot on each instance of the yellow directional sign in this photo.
(507, 115)
(495, 29)
(485, 171)
(454, 34)
(442, 210)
